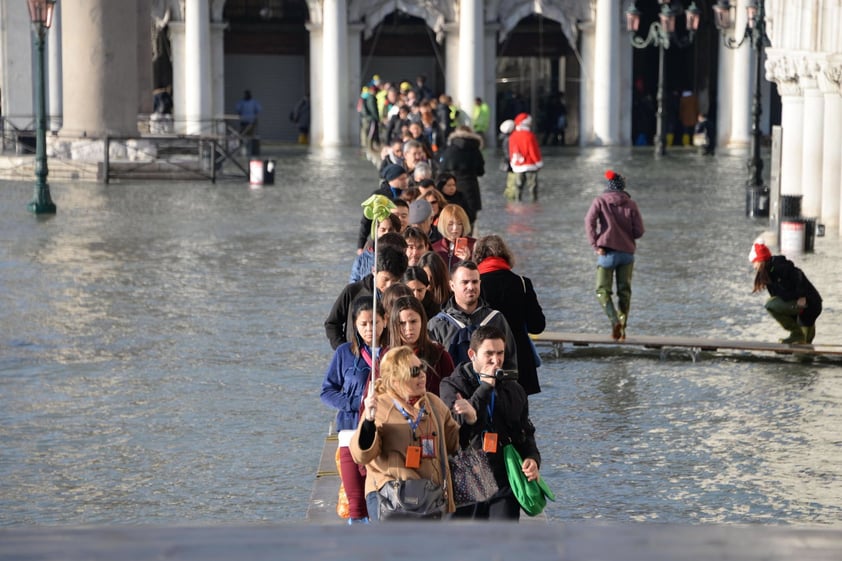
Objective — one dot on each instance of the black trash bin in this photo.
(757, 201)
(268, 172)
(791, 206)
(809, 235)
(262, 172)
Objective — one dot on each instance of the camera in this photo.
(501, 375)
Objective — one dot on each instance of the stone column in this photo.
(606, 72)
(197, 67)
(586, 84)
(179, 85)
(16, 49)
(782, 70)
(144, 57)
(624, 93)
(451, 59)
(830, 82)
(54, 90)
(812, 145)
(354, 66)
(739, 97)
(471, 65)
(217, 41)
(334, 43)
(316, 99)
(489, 89)
(101, 57)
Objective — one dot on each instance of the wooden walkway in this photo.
(449, 541)
(693, 346)
(322, 508)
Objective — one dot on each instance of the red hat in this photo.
(616, 182)
(759, 253)
(523, 121)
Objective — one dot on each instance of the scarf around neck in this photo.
(490, 264)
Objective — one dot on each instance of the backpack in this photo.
(461, 342)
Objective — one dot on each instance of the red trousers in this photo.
(354, 482)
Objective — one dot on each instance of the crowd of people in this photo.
(431, 336)
(447, 322)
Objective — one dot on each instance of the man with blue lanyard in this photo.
(493, 411)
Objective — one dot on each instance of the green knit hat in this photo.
(531, 495)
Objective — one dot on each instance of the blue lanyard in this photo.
(490, 407)
(412, 424)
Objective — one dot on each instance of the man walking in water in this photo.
(247, 109)
(613, 224)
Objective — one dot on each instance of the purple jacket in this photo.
(614, 222)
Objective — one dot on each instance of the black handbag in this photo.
(413, 499)
(473, 477)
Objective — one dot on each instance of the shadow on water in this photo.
(162, 348)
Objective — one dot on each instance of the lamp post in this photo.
(662, 35)
(755, 33)
(41, 14)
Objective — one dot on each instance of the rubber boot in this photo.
(624, 278)
(604, 279)
(511, 193)
(809, 333)
(785, 313)
(622, 318)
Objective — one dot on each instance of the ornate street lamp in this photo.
(755, 33)
(41, 14)
(662, 35)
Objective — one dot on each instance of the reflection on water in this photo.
(161, 349)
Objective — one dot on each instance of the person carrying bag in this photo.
(403, 439)
(473, 476)
(495, 411)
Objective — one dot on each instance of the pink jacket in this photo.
(614, 222)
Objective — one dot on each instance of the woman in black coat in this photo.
(463, 158)
(793, 300)
(514, 297)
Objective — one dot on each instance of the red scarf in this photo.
(490, 264)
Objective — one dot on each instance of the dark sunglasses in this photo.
(415, 371)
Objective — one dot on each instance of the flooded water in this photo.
(162, 349)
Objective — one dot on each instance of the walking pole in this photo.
(376, 208)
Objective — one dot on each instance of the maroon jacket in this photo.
(613, 222)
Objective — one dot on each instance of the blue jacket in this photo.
(344, 385)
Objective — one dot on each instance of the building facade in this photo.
(107, 57)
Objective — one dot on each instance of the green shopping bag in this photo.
(532, 495)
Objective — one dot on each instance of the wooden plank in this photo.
(575, 540)
(322, 506)
(658, 342)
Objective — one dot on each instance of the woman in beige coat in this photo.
(400, 418)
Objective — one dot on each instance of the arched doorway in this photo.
(401, 48)
(267, 50)
(535, 63)
(690, 76)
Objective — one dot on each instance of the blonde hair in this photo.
(450, 212)
(394, 370)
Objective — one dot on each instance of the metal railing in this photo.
(213, 154)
